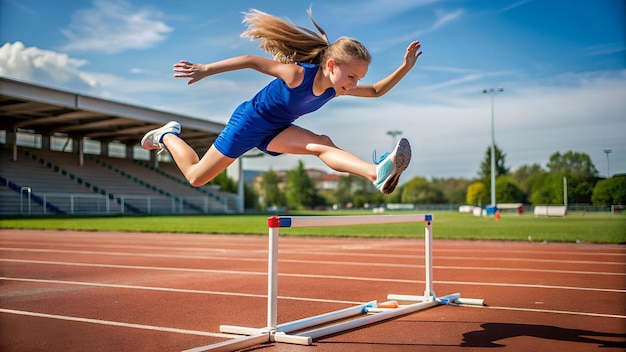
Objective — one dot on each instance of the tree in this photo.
(508, 191)
(610, 191)
(345, 189)
(579, 191)
(226, 183)
(301, 190)
(357, 191)
(485, 167)
(573, 164)
(580, 172)
(369, 195)
(454, 189)
(419, 191)
(525, 175)
(548, 190)
(251, 197)
(476, 194)
(272, 196)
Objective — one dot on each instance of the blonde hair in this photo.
(289, 43)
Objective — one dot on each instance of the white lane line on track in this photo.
(322, 262)
(497, 284)
(116, 323)
(263, 253)
(551, 311)
(314, 276)
(449, 257)
(177, 290)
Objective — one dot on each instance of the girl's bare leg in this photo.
(297, 140)
(197, 171)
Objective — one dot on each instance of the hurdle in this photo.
(352, 317)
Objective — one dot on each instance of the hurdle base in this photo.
(451, 299)
(281, 333)
(272, 336)
(369, 314)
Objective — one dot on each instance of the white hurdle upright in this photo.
(370, 313)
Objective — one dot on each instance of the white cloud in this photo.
(444, 18)
(605, 49)
(142, 71)
(514, 5)
(44, 66)
(114, 26)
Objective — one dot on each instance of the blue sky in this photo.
(562, 65)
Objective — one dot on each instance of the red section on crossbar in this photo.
(273, 221)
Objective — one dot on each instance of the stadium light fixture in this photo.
(607, 152)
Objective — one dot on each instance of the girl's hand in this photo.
(186, 69)
(412, 54)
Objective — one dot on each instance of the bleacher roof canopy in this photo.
(48, 111)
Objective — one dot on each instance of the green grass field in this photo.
(589, 227)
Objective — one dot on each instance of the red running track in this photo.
(103, 291)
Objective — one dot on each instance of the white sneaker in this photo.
(391, 165)
(154, 139)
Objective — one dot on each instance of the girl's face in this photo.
(346, 76)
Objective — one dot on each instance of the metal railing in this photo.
(97, 204)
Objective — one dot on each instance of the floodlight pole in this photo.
(492, 92)
(607, 152)
(393, 135)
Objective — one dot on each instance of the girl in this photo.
(309, 72)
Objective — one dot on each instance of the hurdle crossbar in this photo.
(274, 332)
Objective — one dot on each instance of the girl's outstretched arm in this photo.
(290, 73)
(384, 85)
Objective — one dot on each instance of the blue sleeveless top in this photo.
(276, 102)
(257, 121)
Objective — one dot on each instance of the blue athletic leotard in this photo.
(257, 121)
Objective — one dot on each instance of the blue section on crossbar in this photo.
(285, 222)
(428, 217)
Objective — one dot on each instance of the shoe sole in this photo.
(401, 160)
(156, 130)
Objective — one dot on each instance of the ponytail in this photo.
(288, 43)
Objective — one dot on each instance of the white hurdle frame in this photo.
(280, 333)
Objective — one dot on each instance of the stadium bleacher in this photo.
(38, 179)
(101, 185)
